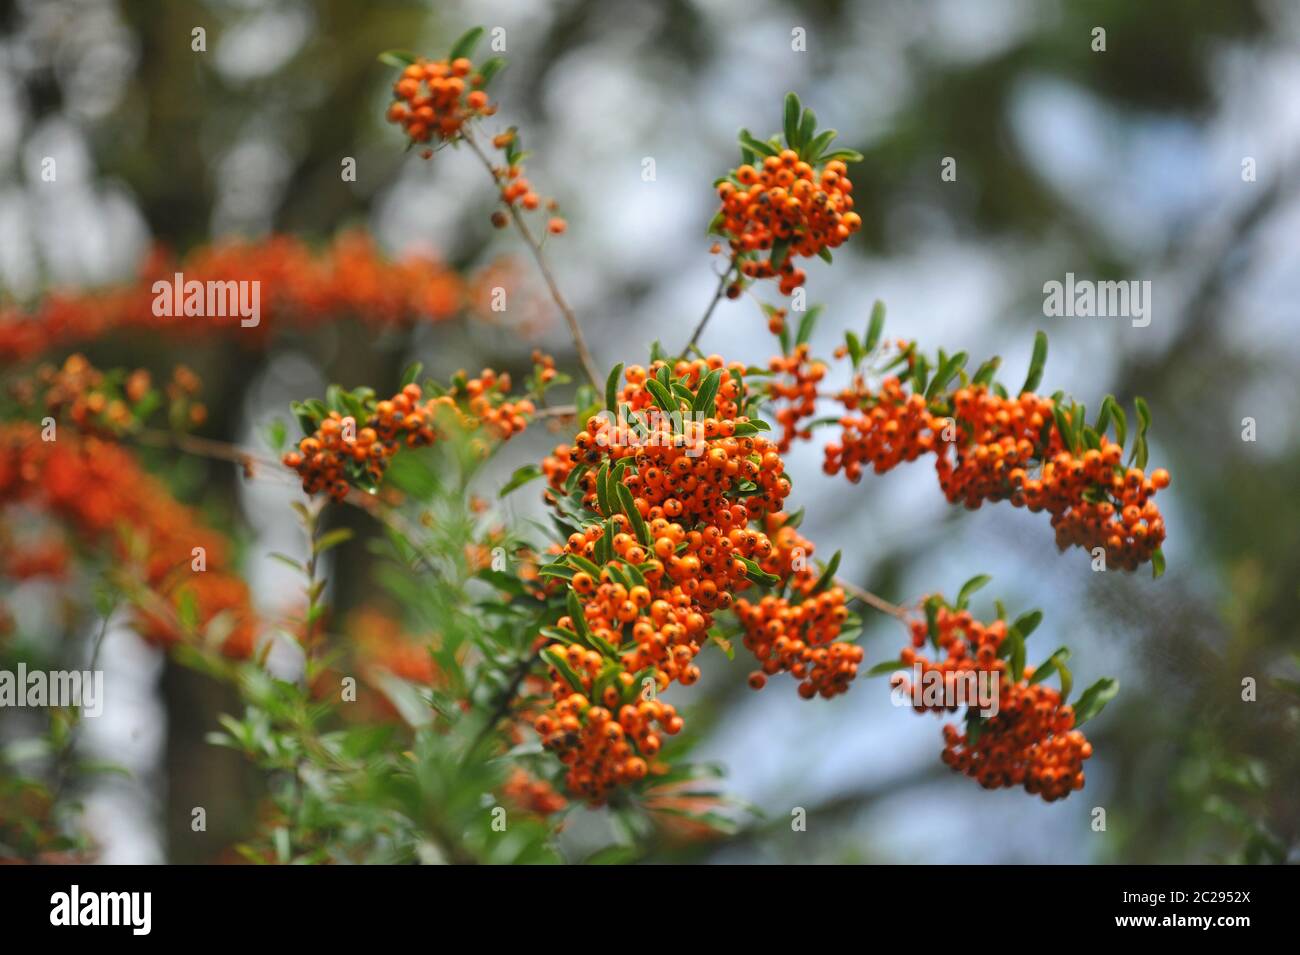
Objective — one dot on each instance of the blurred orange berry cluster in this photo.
(97, 488)
(532, 795)
(300, 288)
(107, 404)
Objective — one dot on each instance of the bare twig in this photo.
(871, 600)
(579, 342)
(708, 312)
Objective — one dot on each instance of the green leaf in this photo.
(411, 373)
(465, 45)
(633, 515)
(807, 128)
(875, 327)
(611, 388)
(887, 666)
(583, 564)
(286, 559)
(984, 374)
(662, 396)
(969, 588)
(332, 539)
(1094, 699)
(1036, 363)
(1139, 455)
(529, 472)
(844, 155)
(602, 490)
(398, 58)
(945, 374)
(1063, 426)
(855, 348)
(561, 665)
(705, 397)
(758, 575)
(556, 570)
(780, 252)
(1144, 414)
(1103, 416)
(580, 625)
(828, 575)
(817, 146)
(1157, 564)
(806, 325)
(756, 145)
(1049, 666)
(490, 68)
(1017, 662)
(1027, 623)
(791, 125)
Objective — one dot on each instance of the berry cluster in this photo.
(681, 504)
(516, 191)
(798, 634)
(786, 202)
(81, 394)
(1031, 740)
(604, 750)
(795, 392)
(434, 99)
(300, 287)
(531, 795)
(992, 447)
(338, 455)
(107, 404)
(98, 488)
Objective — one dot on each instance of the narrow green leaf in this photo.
(807, 128)
(633, 515)
(529, 472)
(611, 388)
(465, 45)
(1036, 363)
(561, 665)
(332, 539)
(806, 325)
(1094, 699)
(791, 124)
(969, 588)
(828, 575)
(707, 393)
(410, 373)
(875, 327)
(397, 58)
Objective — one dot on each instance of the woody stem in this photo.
(575, 331)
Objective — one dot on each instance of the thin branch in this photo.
(501, 707)
(202, 447)
(708, 312)
(558, 411)
(579, 342)
(871, 600)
